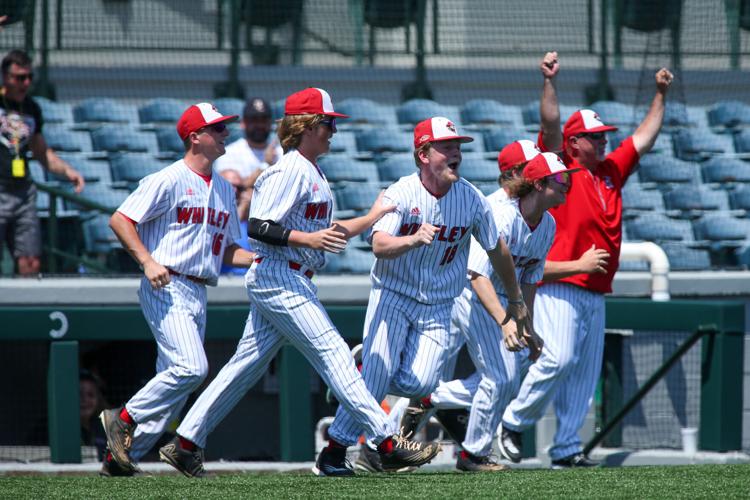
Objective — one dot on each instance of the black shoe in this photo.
(510, 445)
(471, 463)
(188, 462)
(332, 462)
(575, 460)
(454, 422)
(357, 356)
(110, 468)
(415, 417)
(119, 437)
(407, 453)
(368, 460)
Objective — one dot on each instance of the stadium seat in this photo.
(277, 109)
(675, 115)
(91, 170)
(662, 146)
(692, 201)
(615, 113)
(637, 199)
(61, 138)
(343, 168)
(667, 170)
(658, 228)
(104, 110)
(393, 167)
(55, 112)
(122, 138)
(531, 117)
(364, 111)
(491, 112)
(740, 198)
(720, 228)
(496, 139)
(725, 170)
(101, 194)
(130, 168)
(352, 260)
(344, 141)
(415, 110)
(359, 197)
(476, 168)
(384, 140)
(98, 237)
(742, 142)
(36, 171)
(229, 106)
(685, 258)
(161, 110)
(169, 141)
(700, 144)
(487, 188)
(729, 115)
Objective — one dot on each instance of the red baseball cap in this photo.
(311, 101)
(516, 153)
(543, 165)
(585, 121)
(198, 116)
(437, 128)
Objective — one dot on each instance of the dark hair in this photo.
(17, 57)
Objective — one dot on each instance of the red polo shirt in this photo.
(592, 214)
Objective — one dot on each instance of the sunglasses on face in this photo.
(562, 178)
(218, 127)
(596, 136)
(329, 122)
(22, 77)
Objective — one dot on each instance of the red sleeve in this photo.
(624, 158)
(127, 218)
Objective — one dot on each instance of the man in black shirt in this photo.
(21, 138)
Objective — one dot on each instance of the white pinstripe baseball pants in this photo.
(284, 308)
(403, 352)
(570, 319)
(176, 315)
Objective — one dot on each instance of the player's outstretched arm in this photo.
(645, 135)
(502, 264)
(387, 246)
(236, 256)
(486, 294)
(593, 261)
(125, 231)
(549, 109)
(358, 225)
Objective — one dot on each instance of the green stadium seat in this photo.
(366, 112)
(61, 138)
(122, 138)
(491, 112)
(130, 168)
(416, 110)
(665, 170)
(700, 144)
(344, 168)
(55, 112)
(92, 170)
(476, 168)
(161, 110)
(725, 171)
(395, 166)
(229, 106)
(384, 140)
(359, 196)
(98, 110)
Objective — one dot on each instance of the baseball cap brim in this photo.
(228, 119)
(335, 115)
(463, 139)
(603, 128)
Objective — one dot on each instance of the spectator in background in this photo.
(21, 138)
(243, 196)
(91, 403)
(257, 150)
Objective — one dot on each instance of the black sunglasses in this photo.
(329, 122)
(217, 127)
(597, 136)
(21, 77)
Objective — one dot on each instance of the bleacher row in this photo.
(691, 194)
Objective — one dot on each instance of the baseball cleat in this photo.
(119, 437)
(407, 453)
(575, 460)
(190, 463)
(110, 468)
(368, 460)
(454, 422)
(416, 416)
(332, 462)
(510, 444)
(472, 463)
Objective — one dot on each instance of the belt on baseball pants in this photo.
(295, 266)
(200, 281)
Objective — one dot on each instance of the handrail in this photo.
(659, 264)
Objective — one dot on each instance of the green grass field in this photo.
(700, 481)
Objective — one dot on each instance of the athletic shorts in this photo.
(19, 224)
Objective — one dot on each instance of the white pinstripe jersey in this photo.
(294, 193)
(437, 272)
(184, 222)
(499, 196)
(528, 247)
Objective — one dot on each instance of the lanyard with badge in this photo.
(18, 165)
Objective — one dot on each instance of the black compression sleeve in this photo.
(268, 231)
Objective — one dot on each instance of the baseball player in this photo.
(180, 224)
(524, 223)
(290, 221)
(570, 306)
(421, 251)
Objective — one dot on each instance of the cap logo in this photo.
(449, 125)
(258, 105)
(424, 138)
(415, 211)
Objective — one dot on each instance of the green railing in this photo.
(721, 324)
